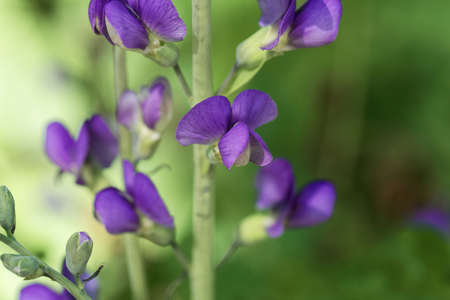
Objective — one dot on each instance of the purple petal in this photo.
(123, 26)
(277, 228)
(128, 176)
(275, 184)
(316, 23)
(147, 199)
(254, 108)
(115, 211)
(272, 10)
(161, 17)
(134, 4)
(433, 217)
(60, 147)
(205, 122)
(157, 105)
(285, 23)
(128, 109)
(234, 143)
(82, 146)
(96, 16)
(259, 153)
(313, 205)
(91, 287)
(103, 146)
(84, 237)
(38, 292)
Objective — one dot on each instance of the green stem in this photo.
(182, 259)
(135, 264)
(202, 269)
(79, 294)
(183, 81)
(230, 252)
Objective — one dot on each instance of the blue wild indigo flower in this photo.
(433, 217)
(230, 129)
(140, 25)
(95, 147)
(311, 205)
(120, 211)
(146, 116)
(315, 24)
(38, 291)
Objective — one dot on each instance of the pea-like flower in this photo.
(39, 291)
(95, 146)
(433, 217)
(146, 115)
(230, 129)
(141, 25)
(312, 205)
(315, 24)
(120, 211)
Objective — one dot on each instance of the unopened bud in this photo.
(253, 229)
(160, 235)
(7, 210)
(78, 251)
(23, 266)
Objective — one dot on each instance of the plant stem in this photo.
(183, 81)
(135, 264)
(78, 293)
(227, 80)
(232, 250)
(182, 259)
(202, 269)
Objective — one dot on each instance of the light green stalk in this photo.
(135, 264)
(202, 269)
(78, 293)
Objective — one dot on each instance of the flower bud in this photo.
(78, 251)
(23, 266)
(7, 210)
(158, 234)
(253, 229)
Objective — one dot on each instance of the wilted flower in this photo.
(95, 146)
(230, 128)
(39, 291)
(146, 115)
(313, 204)
(120, 211)
(140, 25)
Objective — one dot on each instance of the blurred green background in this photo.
(371, 112)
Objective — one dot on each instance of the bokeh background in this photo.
(370, 112)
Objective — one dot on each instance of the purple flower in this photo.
(41, 292)
(231, 127)
(315, 24)
(433, 217)
(127, 23)
(312, 205)
(118, 211)
(95, 144)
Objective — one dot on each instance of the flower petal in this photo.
(157, 104)
(115, 211)
(254, 108)
(275, 184)
(259, 153)
(313, 205)
(60, 146)
(82, 146)
(316, 23)
(128, 176)
(38, 291)
(148, 200)
(433, 217)
(103, 146)
(285, 23)
(124, 28)
(128, 110)
(205, 122)
(96, 17)
(234, 143)
(272, 10)
(161, 17)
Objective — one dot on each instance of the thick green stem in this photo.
(136, 271)
(202, 268)
(78, 293)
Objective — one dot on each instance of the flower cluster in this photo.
(230, 128)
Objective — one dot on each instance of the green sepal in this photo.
(166, 54)
(253, 229)
(23, 266)
(78, 254)
(7, 211)
(160, 235)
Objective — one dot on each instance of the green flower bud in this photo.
(23, 266)
(253, 229)
(78, 251)
(7, 210)
(160, 235)
(147, 142)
